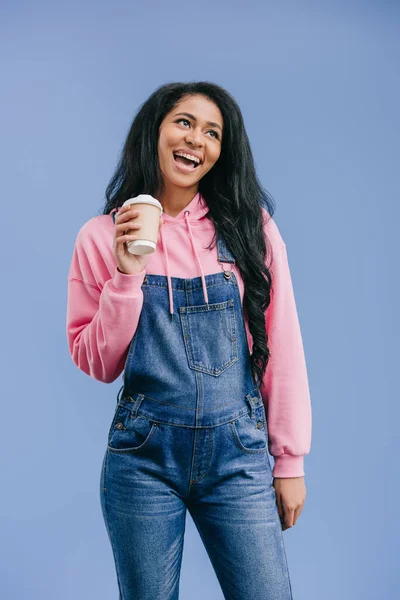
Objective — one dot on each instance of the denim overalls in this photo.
(190, 432)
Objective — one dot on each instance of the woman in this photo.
(193, 327)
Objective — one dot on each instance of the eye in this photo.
(216, 134)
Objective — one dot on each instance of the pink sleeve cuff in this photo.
(123, 283)
(287, 465)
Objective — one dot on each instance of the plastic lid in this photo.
(144, 199)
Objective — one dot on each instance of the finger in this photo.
(280, 507)
(120, 211)
(125, 238)
(127, 225)
(297, 513)
(126, 213)
(284, 514)
(126, 216)
(289, 516)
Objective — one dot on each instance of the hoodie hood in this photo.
(197, 208)
(194, 211)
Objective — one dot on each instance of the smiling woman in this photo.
(192, 328)
(189, 145)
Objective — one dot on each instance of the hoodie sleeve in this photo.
(102, 311)
(285, 389)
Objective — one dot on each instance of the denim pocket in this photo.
(250, 434)
(209, 333)
(129, 433)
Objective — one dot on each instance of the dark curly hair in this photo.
(231, 189)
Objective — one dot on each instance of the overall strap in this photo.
(224, 256)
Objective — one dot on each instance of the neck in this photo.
(174, 200)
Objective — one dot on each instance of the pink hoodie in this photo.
(104, 307)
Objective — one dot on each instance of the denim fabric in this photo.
(190, 432)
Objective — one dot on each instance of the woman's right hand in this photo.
(125, 219)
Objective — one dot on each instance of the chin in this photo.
(183, 183)
(183, 180)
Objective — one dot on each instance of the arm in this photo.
(285, 388)
(102, 312)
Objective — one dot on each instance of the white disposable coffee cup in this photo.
(148, 233)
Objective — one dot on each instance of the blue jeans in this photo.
(190, 432)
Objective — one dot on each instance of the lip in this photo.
(184, 168)
(187, 151)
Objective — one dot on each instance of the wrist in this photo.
(135, 273)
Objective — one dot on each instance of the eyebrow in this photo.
(194, 119)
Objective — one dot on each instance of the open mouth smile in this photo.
(186, 161)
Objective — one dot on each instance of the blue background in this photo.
(318, 84)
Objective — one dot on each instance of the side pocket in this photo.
(129, 433)
(117, 413)
(250, 434)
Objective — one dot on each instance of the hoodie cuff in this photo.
(287, 465)
(124, 283)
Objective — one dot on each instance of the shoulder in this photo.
(93, 260)
(271, 231)
(95, 230)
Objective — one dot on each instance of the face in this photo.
(194, 127)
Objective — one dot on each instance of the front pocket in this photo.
(209, 333)
(250, 434)
(129, 433)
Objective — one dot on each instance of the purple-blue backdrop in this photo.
(318, 84)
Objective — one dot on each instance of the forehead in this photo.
(200, 107)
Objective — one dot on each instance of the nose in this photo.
(194, 137)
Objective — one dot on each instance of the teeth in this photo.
(189, 156)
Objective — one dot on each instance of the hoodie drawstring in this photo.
(164, 243)
(203, 281)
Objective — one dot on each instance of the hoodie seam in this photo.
(93, 285)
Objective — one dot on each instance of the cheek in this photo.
(162, 149)
(166, 143)
(168, 137)
(214, 155)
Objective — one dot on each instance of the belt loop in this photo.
(249, 400)
(119, 394)
(137, 404)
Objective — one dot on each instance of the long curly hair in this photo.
(231, 188)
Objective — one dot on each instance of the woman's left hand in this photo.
(290, 497)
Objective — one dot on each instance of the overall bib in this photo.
(190, 432)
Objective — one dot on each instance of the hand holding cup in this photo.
(127, 219)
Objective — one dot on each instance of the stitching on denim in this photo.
(217, 407)
(112, 541)
(207, 307)
(193, 287)
(285, 557)
(184, 312)
(174, 424)
(209, 449)
(240, 445)
(136, 448)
